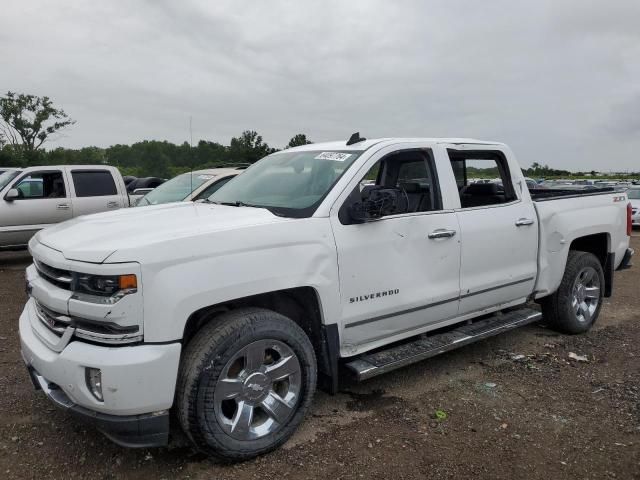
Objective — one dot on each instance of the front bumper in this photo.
(626, 260)
(138, 382)
(141, 431)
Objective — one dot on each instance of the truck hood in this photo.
(94, 238)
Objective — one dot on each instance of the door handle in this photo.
(63, 206)
(441, 233)
(521, 222)
(112, 204)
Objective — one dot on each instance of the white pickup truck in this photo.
(324, 260)
(33, 198)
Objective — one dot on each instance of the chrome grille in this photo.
(54, 321)
(60, 278)
(104, 333)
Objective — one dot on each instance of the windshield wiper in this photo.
(238, 203)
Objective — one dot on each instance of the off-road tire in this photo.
(557, 308)
(202, 363)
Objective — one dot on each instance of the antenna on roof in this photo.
(191, 152)
(355, 138)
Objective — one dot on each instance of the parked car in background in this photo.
(191, 186)
(634, 197)
(36, 197)
(139, 187)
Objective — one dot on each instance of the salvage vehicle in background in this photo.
(634, 197)
(36, 197)
(230, 311)
(191, 186)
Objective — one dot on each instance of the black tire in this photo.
(203, 362)
(557, 308)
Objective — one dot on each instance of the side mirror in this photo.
(381, 201)
(12, 195)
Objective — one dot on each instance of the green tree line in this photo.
(150, 157)
(28, 121)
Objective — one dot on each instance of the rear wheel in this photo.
(246, 381)
(575, 306)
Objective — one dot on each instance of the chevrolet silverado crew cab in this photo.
(36, 197)
(344, 258)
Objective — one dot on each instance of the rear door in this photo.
(498, 226)
(43, 200)
(94, 191)
(398, 274)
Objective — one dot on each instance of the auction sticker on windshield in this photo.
(335, 156)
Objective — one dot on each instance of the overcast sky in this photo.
(559, 81)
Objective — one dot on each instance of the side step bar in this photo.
(376, 363)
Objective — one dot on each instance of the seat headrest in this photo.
(482, 189)
(410, 187)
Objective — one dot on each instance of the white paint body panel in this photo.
(189, 256)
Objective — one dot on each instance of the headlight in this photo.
(103, 288)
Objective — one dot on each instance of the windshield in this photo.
(633, 194)
(6, 177)
(175, 190)
(290, 184)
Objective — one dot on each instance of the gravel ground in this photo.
(514, 406)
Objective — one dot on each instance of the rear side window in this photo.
(93, 183)
(482, 177)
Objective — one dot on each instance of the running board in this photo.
(372, 364)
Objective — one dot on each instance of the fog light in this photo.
(94, 382)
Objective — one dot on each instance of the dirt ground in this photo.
(516, 406)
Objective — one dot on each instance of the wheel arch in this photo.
(598, 244)
(300, 304)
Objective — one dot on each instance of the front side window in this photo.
(41, 185)
(403, 182)
(94, 183)
(482, 177)
(290, 184)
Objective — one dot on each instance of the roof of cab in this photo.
(365, 144)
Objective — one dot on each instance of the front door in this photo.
(400, 273)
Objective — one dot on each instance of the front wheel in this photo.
(575, 306)
(246, 381)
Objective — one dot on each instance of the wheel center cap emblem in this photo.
(256, 386)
